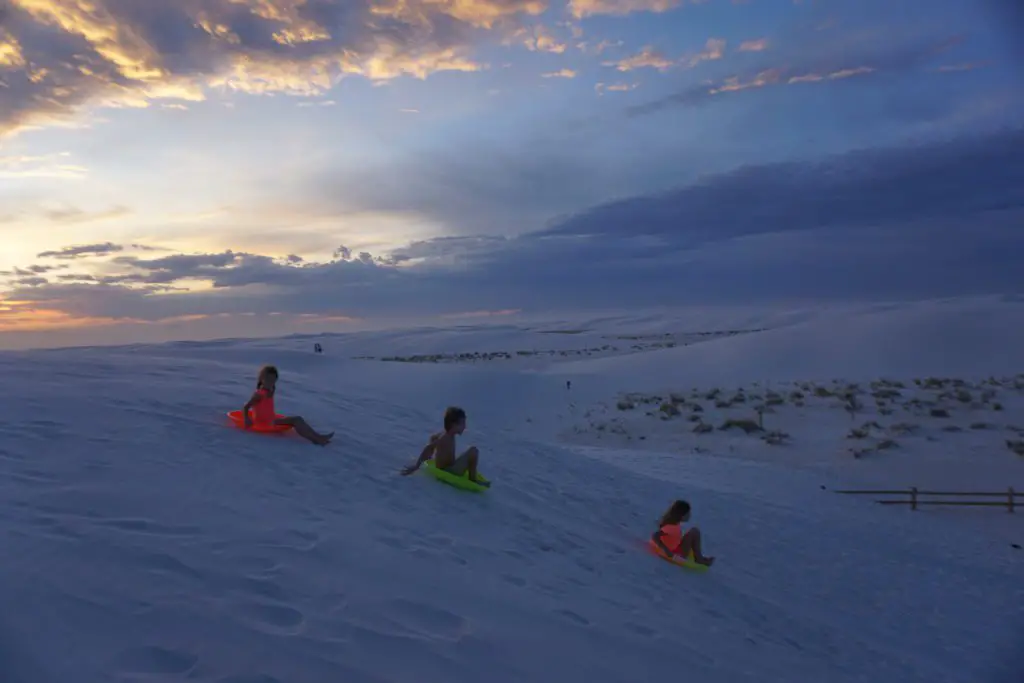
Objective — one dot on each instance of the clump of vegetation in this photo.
(775, 437)
(703, 428)
(885, 444)
(904, 428)
(625, 404)
(883, 394)
(980, 425)
(669, 410)
(1016, 446)
(938, 412)
(748, 426)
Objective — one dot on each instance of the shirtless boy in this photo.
(442, 449)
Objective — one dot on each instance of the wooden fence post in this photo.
(1010, 502)
(913, 497)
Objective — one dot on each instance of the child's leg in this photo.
(303, 429)
(467, 462)
(691, 543)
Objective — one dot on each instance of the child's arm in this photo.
(253, 400)
(426, 454)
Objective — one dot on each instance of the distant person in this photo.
(568, 384)
(442, 449)
(317, 348)
(263, 413)
(670, 539)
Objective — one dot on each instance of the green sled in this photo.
(459, 481)
(686, 563)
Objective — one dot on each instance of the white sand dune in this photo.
(147, 540)
(943, 338)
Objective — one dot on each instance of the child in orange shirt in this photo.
(262, 406)
(670, 539)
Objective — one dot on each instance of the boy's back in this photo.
(444, 449)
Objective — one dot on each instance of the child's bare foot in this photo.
(325, 439)
(706, 561)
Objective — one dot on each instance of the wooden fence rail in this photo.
(914, 495)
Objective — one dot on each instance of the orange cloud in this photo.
(538, 39)
(649, 58)
(585, 8)
(110, 55)
(478, 13)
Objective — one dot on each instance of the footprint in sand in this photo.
(249, 678)
(54, 526)
(642, 630)
(514, 580)
(155, 661)
(303, 541)
(574, 617)
(400, 617)
(149, 527)
(263, 588)
(162, 562)
(279, 620)
(256, 566)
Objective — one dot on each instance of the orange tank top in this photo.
(672, 536)
(263, 412)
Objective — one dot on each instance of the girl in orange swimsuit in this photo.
(670, 540)
(261, 403)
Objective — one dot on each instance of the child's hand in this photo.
(406, 471)
(248, 420)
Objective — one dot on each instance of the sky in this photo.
(177, 168)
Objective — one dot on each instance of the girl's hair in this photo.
(264, 371)
(675, 513)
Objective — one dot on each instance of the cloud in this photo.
(538, 39)
(79, 251)
(649, 58)
(73, 214)
(53, 166)
(835, 59)
(561, 73)
(58, 55)
(585, 8)
(966, 66)
(758, 45)
(602, 88)
(911, 221)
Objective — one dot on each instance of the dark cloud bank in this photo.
(911, 222)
